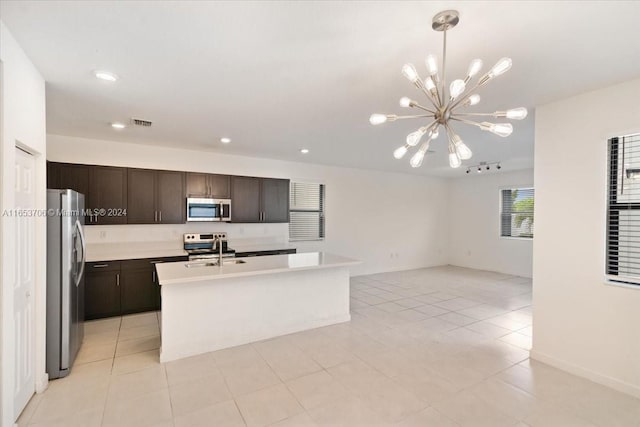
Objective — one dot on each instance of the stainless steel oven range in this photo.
(207, 246)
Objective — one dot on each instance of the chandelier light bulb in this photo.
(414, 137)
(500, 129)
(472, 100)
(429, 84)
(463, 151)
(416, 159)
(434, 133)
(479, 169)
(474, 68)
(409, 71)
(432, 64)
(501, 67)
(405, 102)
(456, 88)
(401, 151)
(454, 160)
(377, 119)
(516, 113)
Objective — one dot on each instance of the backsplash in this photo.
(239, 234)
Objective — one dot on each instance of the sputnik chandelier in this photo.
(447, 108)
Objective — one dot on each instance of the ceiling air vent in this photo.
(140, 122)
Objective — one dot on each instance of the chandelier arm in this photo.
(424, 108)
(414, 116)
(430, 97)
(476, 114)
(468, 122)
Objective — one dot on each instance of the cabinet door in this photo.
(219, 186)
(141, 206)
(53, 175)
(137, 289)
(102, 294)
(170, 199)
(245, 199)
(275, 200)
(108, 190)
(75, 177)
(197, 184)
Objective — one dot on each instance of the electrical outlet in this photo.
(103, 234)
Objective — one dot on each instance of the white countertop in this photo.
(261, 247)
(138, 250)
(133, 250)
(177, 272)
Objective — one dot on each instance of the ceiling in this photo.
(279, 76)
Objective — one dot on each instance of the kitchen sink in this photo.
(213, 263)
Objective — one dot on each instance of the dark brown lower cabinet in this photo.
(102, 290)
(137, 287)
(115, 288)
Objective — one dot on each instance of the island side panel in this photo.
(207, 316)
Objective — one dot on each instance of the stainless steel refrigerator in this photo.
(65, 279)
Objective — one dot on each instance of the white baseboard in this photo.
(605, 380)
(42, 383)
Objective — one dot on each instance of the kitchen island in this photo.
(208, 307)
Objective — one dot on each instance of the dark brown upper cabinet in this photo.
(108, 191)
(155, 197)
(208, 185)
(170, 198)
(74, 177)
(245, 199)
(259, 199)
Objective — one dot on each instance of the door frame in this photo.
(8, 145)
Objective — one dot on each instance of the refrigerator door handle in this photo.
(84, 252)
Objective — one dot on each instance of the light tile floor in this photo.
(442, 346)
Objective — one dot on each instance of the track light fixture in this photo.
(483, 166)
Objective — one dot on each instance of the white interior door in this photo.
(24, 314)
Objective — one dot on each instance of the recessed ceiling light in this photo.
(225, 140)
(105, 75)
(118, 125)
(304, 151)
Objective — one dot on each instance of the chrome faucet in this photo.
(218, 241)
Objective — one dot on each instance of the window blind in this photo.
(516, 216)
(623, 210)
(306, 211)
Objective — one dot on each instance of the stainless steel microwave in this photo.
(204, 209)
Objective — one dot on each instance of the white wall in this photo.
(22, 123)
(474, 224)
(580, 323)
(370, 214)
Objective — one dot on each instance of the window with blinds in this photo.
(623, 210)
(516, 212)
(306, 209)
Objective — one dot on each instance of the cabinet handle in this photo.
(118, 279)
(155, 216)
(154, 276)
(155, 262)
(160, 216)
(100, 265)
